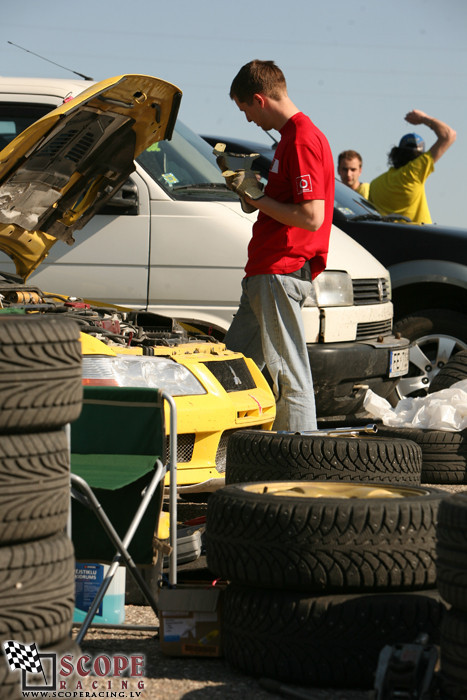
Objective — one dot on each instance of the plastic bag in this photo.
(442, 410)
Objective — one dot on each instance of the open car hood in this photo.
(58, 172)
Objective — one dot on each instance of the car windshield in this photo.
(351, 204)
(185, 167)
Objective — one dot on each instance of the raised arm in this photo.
(446, 135)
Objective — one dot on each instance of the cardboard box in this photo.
(190, 621)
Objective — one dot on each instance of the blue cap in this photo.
(412, 141)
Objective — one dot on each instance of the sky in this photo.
(355, 68)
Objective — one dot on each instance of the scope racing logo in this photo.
(46, 674)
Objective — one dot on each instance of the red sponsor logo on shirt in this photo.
(304, 184)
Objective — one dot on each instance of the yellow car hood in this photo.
(58, 172)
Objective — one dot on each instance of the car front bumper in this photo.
(342, 372)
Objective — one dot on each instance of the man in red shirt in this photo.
(289, 244)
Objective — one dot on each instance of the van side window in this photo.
(15, 117)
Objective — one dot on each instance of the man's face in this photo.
(255, 112)
(349, 170)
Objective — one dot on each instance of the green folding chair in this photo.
(117, 453)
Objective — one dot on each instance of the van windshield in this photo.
(185, 167)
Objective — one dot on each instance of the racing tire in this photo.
(431, 331)
(40, 373)
(259, 455)
(34, 485)
(455, 370)
(326, 641)
(453, 653)
(451, 550)
(37, 590)
(444, 453)
(323, 537)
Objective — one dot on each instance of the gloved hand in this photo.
(247, 208)
(233, 161)
(244, 182)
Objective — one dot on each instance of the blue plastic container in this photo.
(88, 577)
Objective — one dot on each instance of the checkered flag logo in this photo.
(24, 657)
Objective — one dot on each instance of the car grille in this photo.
(369, 331)
(221, 454)
(370, 291)
(233, 375)
(185, 446)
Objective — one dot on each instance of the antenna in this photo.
(276, 142)
(86, 77)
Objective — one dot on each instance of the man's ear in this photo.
(259, 99)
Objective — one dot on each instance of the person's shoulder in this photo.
(364, 189)
(380, 178)
(302, 122)
(427, 157)
(306, 132)
(421, 166)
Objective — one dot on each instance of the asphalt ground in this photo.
(177, 678)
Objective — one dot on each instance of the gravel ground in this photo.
(170, 678)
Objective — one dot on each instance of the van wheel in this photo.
(328, 641)
(37, 590)
(323, 536)
(451, 550)
(444, 453)
(437, 335)
(40, 373)
(455, 370)
(34, 485)
(256, 455)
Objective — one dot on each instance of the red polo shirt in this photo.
(302, 169)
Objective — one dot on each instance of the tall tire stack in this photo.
(40, 392)
(452, 582)
(322, 575)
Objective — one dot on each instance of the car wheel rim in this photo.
(331, 489)
(426, 357)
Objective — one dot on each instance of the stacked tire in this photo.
(452, 581)
(455, 370)
(260, 455)
(323, 575)
(40, 392)
(444, 453)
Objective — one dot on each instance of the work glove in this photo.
(244, 182)
(233, 161)
(247, 208)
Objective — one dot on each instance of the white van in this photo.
(174, 241)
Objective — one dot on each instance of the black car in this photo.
(428, 267)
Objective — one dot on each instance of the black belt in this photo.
(304, 273)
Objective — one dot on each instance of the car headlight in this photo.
(137, 370)
(332, 288)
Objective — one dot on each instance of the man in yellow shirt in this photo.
(401, 189)
(349, 169)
